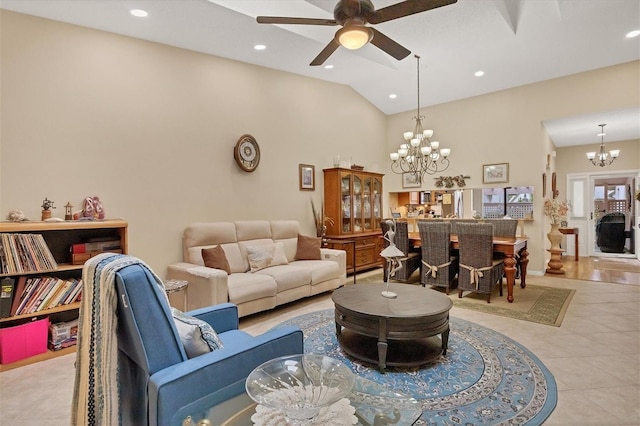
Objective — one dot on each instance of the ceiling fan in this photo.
(353, 15)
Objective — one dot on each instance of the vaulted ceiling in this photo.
(514, 42)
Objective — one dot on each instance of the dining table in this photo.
(514, 250)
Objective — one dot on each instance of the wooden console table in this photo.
(574, 232)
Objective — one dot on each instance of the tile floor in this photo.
(594, 356)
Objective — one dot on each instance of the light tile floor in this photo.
(594, 356)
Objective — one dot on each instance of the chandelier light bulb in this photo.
(435, 145)
(428, 133)
(415, 142)
(445, 152)
(394, 156)
(403, 152)
(591, 155)
(614, 153)
(407, 136)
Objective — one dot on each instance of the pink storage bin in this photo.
(23, 341)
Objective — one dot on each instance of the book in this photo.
(18, 294)
(97, 246)
(6, 296)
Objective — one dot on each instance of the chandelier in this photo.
(419, 155)
(602, 158)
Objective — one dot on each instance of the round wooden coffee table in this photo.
(395, 332)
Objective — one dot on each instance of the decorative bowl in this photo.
(300, 385)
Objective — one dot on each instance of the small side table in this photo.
(174, 286)
(570, 231)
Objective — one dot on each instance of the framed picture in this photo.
(495, 173)
(307, 175)
(411, 180)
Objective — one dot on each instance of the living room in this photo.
(150, 128)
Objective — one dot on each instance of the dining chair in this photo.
(455, 222)
(505, 228)
(479, 271)
(411, 262)
(439, 266)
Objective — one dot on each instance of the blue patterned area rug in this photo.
(485, 379)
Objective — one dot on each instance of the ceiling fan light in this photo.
(354, 37)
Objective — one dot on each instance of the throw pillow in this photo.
(266, 255)
(308, 248)
(197, 336)
(216, 258)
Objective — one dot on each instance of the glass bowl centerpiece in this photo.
(300, 385)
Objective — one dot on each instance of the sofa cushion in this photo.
(252, 230)
(286, 232)
(266, 255)
(321, 270)
(215, 257)
(197, 336)
(248, 287)
(308, 248)
(288, 276)
(205, 235)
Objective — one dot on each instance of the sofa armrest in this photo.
(223, 317)
(207, 286)
(339, 256)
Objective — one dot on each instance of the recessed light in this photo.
(479, 73)
(633, 34)
(139, 13)
(328, 67)
(259, 47)
(393, 96)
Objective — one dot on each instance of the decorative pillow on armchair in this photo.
(265, 255)
(308, 248)
(197, 336)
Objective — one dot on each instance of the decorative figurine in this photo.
(46, 205)
(16, 216)
(68, 215)
(393, 255)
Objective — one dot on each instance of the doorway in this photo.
(604, 209)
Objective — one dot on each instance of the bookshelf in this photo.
(59, 238)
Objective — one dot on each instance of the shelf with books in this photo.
(53, 295)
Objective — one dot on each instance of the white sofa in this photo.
(253, 291)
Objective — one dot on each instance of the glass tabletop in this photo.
(374, 404)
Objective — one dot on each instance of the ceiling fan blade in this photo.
(384, 43)
(295, 21)
(406, 8)
(326, 52)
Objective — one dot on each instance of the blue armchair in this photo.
(156, 378)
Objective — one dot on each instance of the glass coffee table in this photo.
(374, 404)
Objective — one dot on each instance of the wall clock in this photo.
(247, 153)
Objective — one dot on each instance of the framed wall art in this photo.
(307, 177)
(495, 173)
(411, 180)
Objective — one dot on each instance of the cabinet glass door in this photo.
(345, 197)
(358, 224)
(377, 203)
(366, 203)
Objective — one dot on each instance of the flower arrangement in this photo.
(556, 209)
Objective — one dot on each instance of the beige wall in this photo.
(150, 129)
(506, 126)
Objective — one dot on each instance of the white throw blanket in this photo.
(96, 393)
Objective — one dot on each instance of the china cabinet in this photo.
(353, 203)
